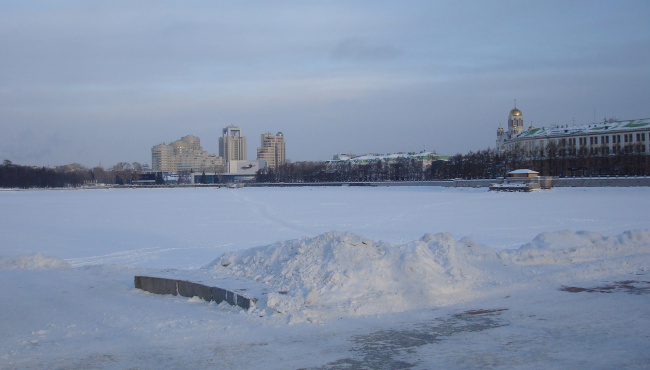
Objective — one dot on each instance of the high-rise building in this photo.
(184, 155)
(232, 145)
(271, 150)
(162, 158)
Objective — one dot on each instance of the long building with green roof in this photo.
(609, 137)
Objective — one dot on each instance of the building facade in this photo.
(609, 137)
(272, 150)
(424, 157)
(162, 158)
(184, 155)
(232, 144)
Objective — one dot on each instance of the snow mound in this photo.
(347, 273)
(582, 246)
(340, 273)
(32, 262)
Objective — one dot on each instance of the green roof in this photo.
(595, 128)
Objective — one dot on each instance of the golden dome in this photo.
(515, 112)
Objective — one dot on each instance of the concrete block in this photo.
(218, 294)
(189, 289)
(156, 285)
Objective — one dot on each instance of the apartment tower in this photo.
(232, 145)
(271, 150)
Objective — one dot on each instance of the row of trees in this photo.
(15, 176)
(73, 175)
(487, 163)
(558, 160)
(482, 164)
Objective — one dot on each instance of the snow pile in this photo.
(346, 274)
(582, 246)
(566, 256)
(35, 261)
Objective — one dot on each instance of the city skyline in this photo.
(89, 82)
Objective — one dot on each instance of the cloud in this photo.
(361, 50)
(116, 78)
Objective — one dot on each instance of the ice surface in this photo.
(187, 228)
(376, 277)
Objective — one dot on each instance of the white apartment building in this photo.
(232, 144)
(162, 159)
(184, 155)
(272, 149)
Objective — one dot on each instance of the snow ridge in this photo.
(582, 246)
(341, 273)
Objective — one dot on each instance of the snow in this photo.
(522, 171)
(32, 261)
(414, 277)
(338, 274)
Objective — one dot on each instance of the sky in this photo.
(103, 82)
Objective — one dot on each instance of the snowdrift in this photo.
(35, 261)
(581, 246)
(346, 274)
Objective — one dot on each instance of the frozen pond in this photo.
(187, 228)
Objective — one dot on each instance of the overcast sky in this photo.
(98, 81)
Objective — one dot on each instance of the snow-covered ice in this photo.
(404, 277)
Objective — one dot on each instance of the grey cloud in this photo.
(125, 76)
(361, 50)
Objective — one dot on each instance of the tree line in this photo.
(73, 175)
(482, 164)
